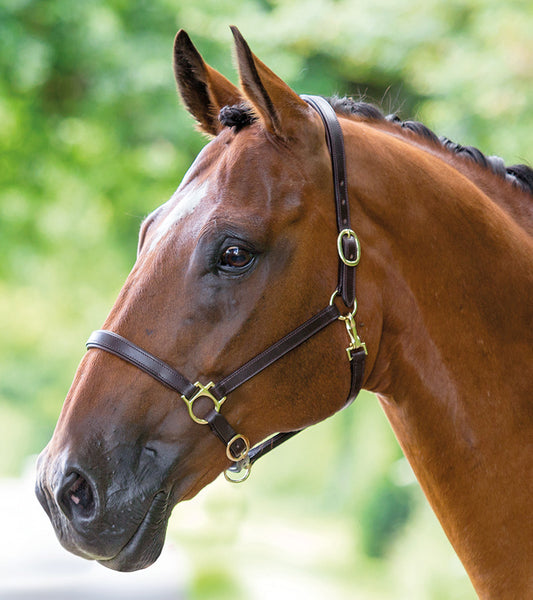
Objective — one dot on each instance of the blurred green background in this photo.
(92, 138)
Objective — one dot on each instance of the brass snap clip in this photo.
(351, 328)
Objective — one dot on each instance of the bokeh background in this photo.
(92, 138)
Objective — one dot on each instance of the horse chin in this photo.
(145, 546)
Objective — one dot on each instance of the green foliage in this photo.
(92, 138)
(214, 584)
(382, 517)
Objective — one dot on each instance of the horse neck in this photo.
(512, 199)
(453, 351)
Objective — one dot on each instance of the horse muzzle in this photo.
(122, 524)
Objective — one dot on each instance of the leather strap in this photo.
(357, 368)
(335, 143)
(263, 448)
(291, 341)
(130, 352)
(165, 374)
(235, 444)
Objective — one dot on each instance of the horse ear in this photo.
(203, 89)
(280, 109)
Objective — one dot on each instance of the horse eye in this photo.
(235, 258)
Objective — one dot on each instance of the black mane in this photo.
(241, 115)
(519, 175)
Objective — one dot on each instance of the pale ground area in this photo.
(232, 544)
(262, 557)
(33, 565)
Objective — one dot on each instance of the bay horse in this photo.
(245, 284)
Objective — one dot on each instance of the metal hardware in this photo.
(239, 471)
(349, 233)
(351, 328)
(243, 453)
(203, 390)
(333, 296)
(349, 319)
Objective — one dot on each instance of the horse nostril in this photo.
(81, 494)
(76, 498)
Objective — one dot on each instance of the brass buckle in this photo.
(244, 452)
(203, 390)
(350, 233)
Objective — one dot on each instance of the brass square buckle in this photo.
(203, 390)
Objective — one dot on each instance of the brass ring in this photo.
(244, 474)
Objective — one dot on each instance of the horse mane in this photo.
(521, 176)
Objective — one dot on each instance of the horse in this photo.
(245, 284)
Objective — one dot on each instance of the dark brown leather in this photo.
(357, 367)
(128, 351)
(291, 341)
(225, 433)
(335, 142)
(264, 448)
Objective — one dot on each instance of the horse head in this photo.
(243, 252)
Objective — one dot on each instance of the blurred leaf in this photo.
(386, 511)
